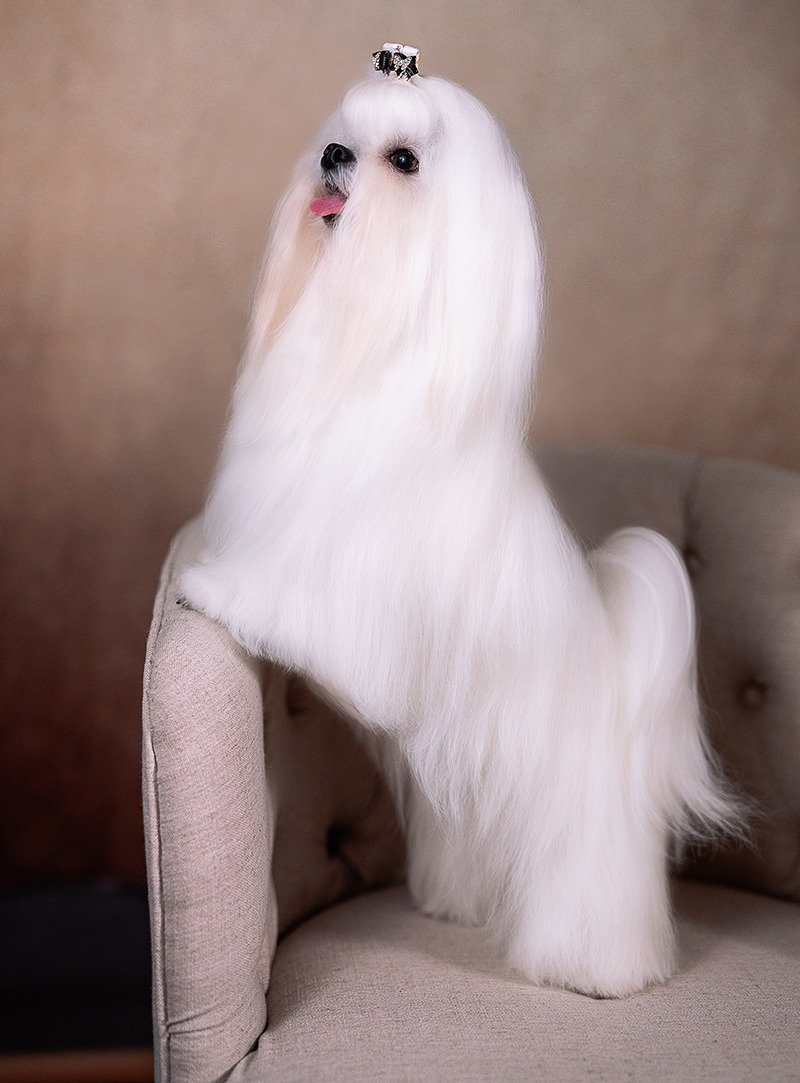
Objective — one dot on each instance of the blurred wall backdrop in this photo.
(142, 149)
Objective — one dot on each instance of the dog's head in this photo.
(409, 223)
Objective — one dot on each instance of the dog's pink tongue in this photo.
(326, 205)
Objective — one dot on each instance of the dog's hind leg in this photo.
(599, 914)
(594, 915)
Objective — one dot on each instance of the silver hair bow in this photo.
(403, 60)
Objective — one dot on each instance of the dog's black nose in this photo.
(335, 154)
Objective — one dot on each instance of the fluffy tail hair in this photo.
(650, 603)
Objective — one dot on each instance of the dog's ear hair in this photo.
(486, 269)
(295, 239)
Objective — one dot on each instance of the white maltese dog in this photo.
(377, 523)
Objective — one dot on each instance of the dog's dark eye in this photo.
(404, 160)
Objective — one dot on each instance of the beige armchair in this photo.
(285, 947)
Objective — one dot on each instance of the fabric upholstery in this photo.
(337, 832)
(210, 825)
(371, 990)
(237, 853)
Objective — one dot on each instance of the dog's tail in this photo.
(673, 772)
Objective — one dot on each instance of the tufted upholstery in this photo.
(238, 855)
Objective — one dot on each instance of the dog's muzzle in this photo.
(334, 163)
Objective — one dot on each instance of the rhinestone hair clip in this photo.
(403, 60)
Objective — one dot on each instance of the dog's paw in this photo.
(183, 602)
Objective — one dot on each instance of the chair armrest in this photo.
(209, 826)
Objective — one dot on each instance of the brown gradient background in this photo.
(142, 148)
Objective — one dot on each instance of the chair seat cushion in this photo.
(372, 990)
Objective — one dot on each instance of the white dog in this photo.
(377, 523)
